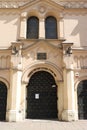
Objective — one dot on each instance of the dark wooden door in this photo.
(3, 101)
(42, 96)
(82, 100)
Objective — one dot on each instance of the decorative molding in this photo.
(18, 3)
(4, 61)
(42, 9)
(12, 4)
(80, 61)
(72, 4)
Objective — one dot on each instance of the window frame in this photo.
(51, 28)
(30, 28)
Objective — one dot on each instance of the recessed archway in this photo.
(82, 99)
(3, 101)
(42, 96)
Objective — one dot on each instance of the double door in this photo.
(42, 96)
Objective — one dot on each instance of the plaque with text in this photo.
(41, 56)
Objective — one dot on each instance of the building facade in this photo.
(43, 59)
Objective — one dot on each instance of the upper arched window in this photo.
(51, 28)
(33, 28)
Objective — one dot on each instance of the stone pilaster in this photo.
(69, 108)
(42, 29)
(23, 26)
(14, 112)
(60, 28)
(68, 73)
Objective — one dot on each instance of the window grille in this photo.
(32, 28)
(51, 28)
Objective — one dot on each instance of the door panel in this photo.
(42, 96)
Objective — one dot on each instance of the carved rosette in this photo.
(42, 9)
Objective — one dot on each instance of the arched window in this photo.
(51, 28)
(33, 27)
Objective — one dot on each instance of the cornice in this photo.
(74, 4)
(80, 50)
(12, 3)
(75, 11)
(69, 7)
(5, 52)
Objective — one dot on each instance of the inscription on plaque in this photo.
(41, 56)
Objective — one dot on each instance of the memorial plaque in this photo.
(41, 56)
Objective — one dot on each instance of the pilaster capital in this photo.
(67, 55)
(42, 19)
(67, 48)
(24, 15)
(16, 48)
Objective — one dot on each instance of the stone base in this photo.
(68, 115)
(13, 116)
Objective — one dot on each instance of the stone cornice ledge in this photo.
(12, 3)
(71, 4)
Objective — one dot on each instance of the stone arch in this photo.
(33, 13)
(5, 82)
(49, 67)
(78, 81)
(76, 85)
(58, 18)
(54, 14)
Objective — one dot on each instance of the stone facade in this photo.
(66, 56)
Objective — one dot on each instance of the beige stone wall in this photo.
(75, 29)
(71, 27)
(9, 27)
(30, 55)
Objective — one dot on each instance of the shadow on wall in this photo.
(10, 25)
(78, 23)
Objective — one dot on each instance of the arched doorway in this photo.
(82, 99)
(3, 101)
(42, 96)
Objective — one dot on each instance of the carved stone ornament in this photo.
(42, 9)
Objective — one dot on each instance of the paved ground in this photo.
(44, 125)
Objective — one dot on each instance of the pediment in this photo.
(41, 6)
(41, 46)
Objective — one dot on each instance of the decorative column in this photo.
(23, 26)
(42, 28)
(14, 112)
(68, 73)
